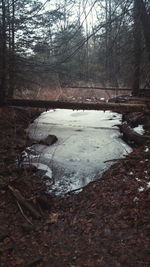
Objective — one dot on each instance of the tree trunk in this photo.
(145, 20)
(3, 77)
(77, 106)
(106, 39)
(12, 54)
(137, 49)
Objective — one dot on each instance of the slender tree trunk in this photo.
(110, 54)
(12, 54)
(87, 43)
(110, 60)
(137, 49)
(3, 77)
(106, 39)
(9, 45)
(145, 20)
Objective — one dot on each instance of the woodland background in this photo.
(49, 44)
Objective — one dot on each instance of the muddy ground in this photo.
(107, 224)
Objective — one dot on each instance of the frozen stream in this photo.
(85, 140)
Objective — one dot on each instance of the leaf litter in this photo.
(107, 224)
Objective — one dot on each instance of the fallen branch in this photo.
(24, 202)
(131, 135)
(98, 88)
(112, 160)
(75, 190)
(128, 158)
(21, 210)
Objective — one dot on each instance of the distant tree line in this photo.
(43, 43)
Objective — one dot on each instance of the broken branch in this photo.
(24, 202)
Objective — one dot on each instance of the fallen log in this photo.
(24, 202)
(131, 135)
(77, 106)
(135, 118)
(98, 88)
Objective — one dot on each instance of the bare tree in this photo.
(145, 20)
(3, 53)
(137, 48)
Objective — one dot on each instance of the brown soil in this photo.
(107, 224)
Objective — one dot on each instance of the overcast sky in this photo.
(87, 9)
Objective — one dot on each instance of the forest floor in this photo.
(107, 224)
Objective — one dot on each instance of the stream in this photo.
(86, 139)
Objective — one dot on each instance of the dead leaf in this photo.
(53, 218)
(19, 261)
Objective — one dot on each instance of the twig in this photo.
(75, 190)
(21, 210)
(128, 158)
(24, 202)
(112, 160)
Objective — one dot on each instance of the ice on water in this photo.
(85, 140)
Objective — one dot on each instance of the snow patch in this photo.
(43, 167)
(139, 129)
(148, 185)
(141, 189)
(135, 199)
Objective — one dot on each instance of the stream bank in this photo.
(107, 224)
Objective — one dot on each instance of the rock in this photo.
(43, 170)
(49, 140)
